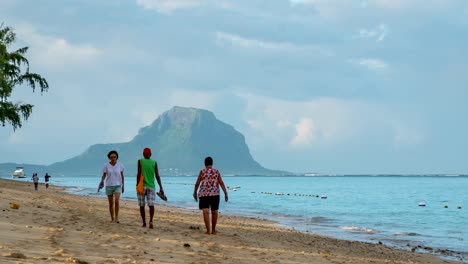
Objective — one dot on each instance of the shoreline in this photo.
(54, 226)
(395, 243)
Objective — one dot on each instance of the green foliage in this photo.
(14, 71)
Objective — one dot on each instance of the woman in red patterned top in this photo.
(209, 181)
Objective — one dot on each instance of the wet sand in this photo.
(51, 226)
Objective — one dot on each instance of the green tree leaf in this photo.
(11, 76)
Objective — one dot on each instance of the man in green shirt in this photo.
(148, 168)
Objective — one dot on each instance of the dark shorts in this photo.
(209, 202)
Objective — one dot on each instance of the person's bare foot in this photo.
(151, 225)
(144, 225)
(214, 232)
(207, 232)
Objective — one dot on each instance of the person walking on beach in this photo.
(148, 169)
(209, 180)
(113, 174)
(35, 179)
(47, 177)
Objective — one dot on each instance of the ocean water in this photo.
(362, 208)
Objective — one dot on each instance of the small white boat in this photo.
(19, 173)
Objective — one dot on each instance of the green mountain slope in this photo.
(180, 140)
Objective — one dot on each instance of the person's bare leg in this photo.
(116, 207)
(214, 220)
(206, 218)
(143, 216)
(111, 206)
(151, 216)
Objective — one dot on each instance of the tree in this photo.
(14, 71)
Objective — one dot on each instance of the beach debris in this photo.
(59, 252)
(75, 260)
(195, 227)
(187, 245)
(18, 255)
(14, 206)
(445, 206)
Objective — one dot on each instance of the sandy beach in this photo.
(51, 226)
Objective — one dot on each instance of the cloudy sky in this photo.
(345, 86)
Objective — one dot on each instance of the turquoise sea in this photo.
(365, 208)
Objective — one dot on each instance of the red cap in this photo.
(146, 151)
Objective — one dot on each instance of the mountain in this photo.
(180, 139)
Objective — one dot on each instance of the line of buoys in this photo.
(180, 183)
(422, 203)
(294, 194)
(458, 206)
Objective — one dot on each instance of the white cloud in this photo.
(305, 131)
(169, 6)
(322, 121)
(415, 5)
(330, 10)
(371, 64)
(249, 43)
(378, 33)
(391, 4)
(326, 123)
(55, 52)
(355, 9)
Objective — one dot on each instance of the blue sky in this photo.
(371, 86)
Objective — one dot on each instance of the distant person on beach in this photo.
(148, 169)
(209, 181)
(113, 173)
(35, 179)
(47, 177)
